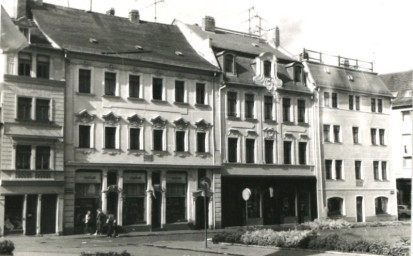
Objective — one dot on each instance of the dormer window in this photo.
(297, 74)
(267, 68)
(229, 63)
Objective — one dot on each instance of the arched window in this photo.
(229, 63)
(297, 74)
(381, 205)
(335, 207)
(267, 68)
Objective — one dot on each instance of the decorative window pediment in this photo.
(84, 117)
(252, 133)
(135, 120)
(181, 124)
(269, 133)
(111, 118)
(289, 136)
(304, 137)
(202, 125)
(234, 132)
(159, 122)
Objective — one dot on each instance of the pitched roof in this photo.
(74, 30)
(338, 78)
(398, 81)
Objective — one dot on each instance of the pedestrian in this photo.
(110, 222)
(99, 222)
(115, 229)
(88, 218)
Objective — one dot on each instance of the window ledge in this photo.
(160, 152)
(135, 99)
(233, 118)
(85, 151)
(158, 101)
(111, 96)
(111, 151)
(203, 154)
(31, 121)
(270, 121)
(85, 94)
(251, 119)
(288, 122)
(178, 103)
(201, 105)
(305, 124)
(182, 153)
(136, 152)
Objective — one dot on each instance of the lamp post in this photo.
(205, 186)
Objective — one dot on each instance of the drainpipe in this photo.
(220, 121)
(213, 118)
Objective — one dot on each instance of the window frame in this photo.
(140, 138)
(290, 155)
(326, 99)
(267, 67)
(140, 89)
(204, 91)
(305, 155)
(373, 135)
(250, 152)
(373, 105)
(184, 142)
(47, 65)
(78, 85)
(37, 155)
(379, 105)
(301, 112)
(30, 112)
(115, 137)
(356, 135)
(286, 110)
(267, 153)
(337, 135)
(19, 156)
(357, 102)
(228, 63)
(266, 104)
(184, 91)
(232, 103)
(360, 170)
(49, 110)
(163, 139)
(327, 137)
(382, 137)
(116, 83)
(338, 169)
(334, 100)
(163, 89)
(351, 102)
(328, 171)
(249, 106)
(237, 149)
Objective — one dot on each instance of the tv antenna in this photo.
(260, 19)
(155, 3)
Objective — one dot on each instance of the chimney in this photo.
(277, 37)
(134, 16)
(111, 12)
(21, 9)
(208, 24)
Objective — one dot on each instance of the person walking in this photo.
(110, 221)
(88, 218)
(99, 222)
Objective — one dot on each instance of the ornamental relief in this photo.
(181, 124)
(84, 117)
(111, 118)
(159, 122)
(202, 125)
(269, 133)
(234, 132)
(135, 120)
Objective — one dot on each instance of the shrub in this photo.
(270, 237)
(322, 224)
(124, 253)
(228, 236)
(6, 247)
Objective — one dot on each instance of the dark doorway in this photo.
(13, 214)
(48, 216)
(31, 215)
(200, 212)
(359, 200)
(304, 206)
(156, 210)
(112, 178)
(270, 216)
(113, 203)
(82, 205)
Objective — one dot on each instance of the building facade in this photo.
(354, 105)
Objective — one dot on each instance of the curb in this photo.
(192, 250)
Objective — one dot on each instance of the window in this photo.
(302, 152)
(85, 80)
(301, 111)
(334, 100)
(180, 141)
(339, 169)
(407, 162)
(373, 105)
(376, 170)
(232, 104)
(42, 110)
(336, 129)
(326, 132)
(357, 102)
(297, 74)
(84, 136)
(158, 140)
(351, 102)
(267, 68)
(229, 63)
(134, 138)
(23, 155)
(269, 151)
(286, 109)
(250, 150)
(110, 83)
(179, 91)
(268, 106)
(380, 105)
(25, 64)
(326, 99)
(384, 170)
(381, 205)
(43, 66)
(157, 90)
(381, 137)
(134, 86)
(249, 105)
(373, 136)
(335, 207)
(355, 135)
(357, 169)
(200, 94)
(232, 150)
(201, 141)
(42, 157)
(406, 116)
(287, 152)
(110, 137)
(329, 171)
(176, 193)
(24, 108)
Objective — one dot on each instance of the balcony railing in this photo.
(32, 175)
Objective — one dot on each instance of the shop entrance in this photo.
(82, 205)
(156, 210)
(359, 206)
(200, 212)
(48, 216)
(269, 207)
(304, 207)
(31, 214)
(112, 203)
(13, 214)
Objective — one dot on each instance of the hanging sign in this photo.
(134, 177)
(246, 194)
(88, 177)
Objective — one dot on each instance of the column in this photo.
(211, 213)
(59, 214)
(149, 199)
(24, 214)
(120, 198)
(163, 205)
(33, 158)
(2, 205)
(39, 214)
(104, 195)
(51, 159)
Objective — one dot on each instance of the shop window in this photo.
(176, 198)
(329, 170)
(43, 66)
(42, 157)
(134, 138)
(357, 102)
(25, 64)
(373, 105)
(376, 170)
(373, 132)
(85, 80)
(229, 63)
(326, 132)
(286, 110)
(87, 190)
(232, 150)
(384, 170)
(335, 207)
(201, 142)
(380, 105)
(134, 86)
(84, 136)
(110, 137)
(301, 111)
(200, 93)
(253, 204)
(13, 213)
(351, 102)
(249, 105)
(339, 170)
(179, 91)
(157, 88)
(24, 108)
(326, 99)
(356, 135)
(336, 129)
(42, 110)
(268, 107)
(250, 151)
(287, 152)
(381, 205)
(288, 203)
(302, 152)
(269, 151)
(267, 68)
(110, 83)
(134, 191)
(334, 100)
(23, 155)
(158, 140)
(381, 137)
(357, 166)
(180, 141)
(232, 104)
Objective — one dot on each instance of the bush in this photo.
(228, 236)
(269, 237)
(6, 247)
(322, 224)
(124, 253)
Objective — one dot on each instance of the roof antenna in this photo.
(155, 3)
(68, 3)
(90, 5)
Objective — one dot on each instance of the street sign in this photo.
(246, 194)
(205, 183)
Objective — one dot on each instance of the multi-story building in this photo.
(354, 106)
(267, 139)
(32, 116)
(401, 86)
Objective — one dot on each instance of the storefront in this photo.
(176, 197)
(134, 191)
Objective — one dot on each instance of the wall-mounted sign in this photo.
(179, 178)
(246, 194)
(88, 177)
(205, 183)
(134, 177)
